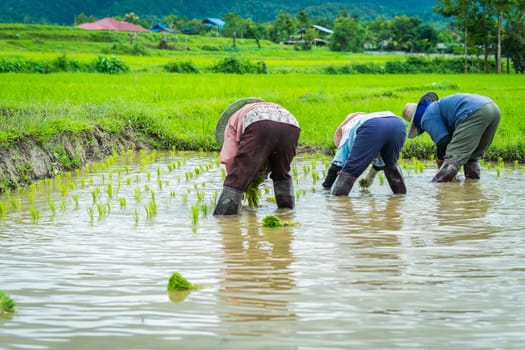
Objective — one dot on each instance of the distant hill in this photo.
(64, 11)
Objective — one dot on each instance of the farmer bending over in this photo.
(461, 125)
(257, 137)
(362, 139)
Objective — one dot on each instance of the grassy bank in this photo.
(180, 110)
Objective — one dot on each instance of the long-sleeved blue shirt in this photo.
(442, 117)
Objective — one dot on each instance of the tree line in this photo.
(491, 28)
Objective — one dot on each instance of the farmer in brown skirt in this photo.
(257, 138)
(461, 125)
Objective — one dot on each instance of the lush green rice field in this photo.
(182, 109)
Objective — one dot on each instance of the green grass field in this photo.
(181, 109)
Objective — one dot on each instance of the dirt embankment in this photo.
(29, 159)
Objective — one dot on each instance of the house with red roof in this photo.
(109, 23)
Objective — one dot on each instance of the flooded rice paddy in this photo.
(87, 257)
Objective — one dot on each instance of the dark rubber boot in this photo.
(448, 171)
(284, 195)
(331, 175)
(395, 179)
(229, 202)
(343, 184)
(472, 170)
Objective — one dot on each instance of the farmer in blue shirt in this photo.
(461, 125)
(362, 139)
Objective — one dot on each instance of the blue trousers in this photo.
(377, 136)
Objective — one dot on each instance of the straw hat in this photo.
(412, 112)
(228, 112)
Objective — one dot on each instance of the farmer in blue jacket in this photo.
(461, 125)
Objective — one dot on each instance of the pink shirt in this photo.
(241, 119)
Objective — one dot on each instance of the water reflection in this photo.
(370, 226)
(461, 208)
(257, 275)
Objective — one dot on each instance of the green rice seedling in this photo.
(151, 209)
(482, 162)
(185, 199)
(16, 203)
(136, 215)
(271, 221)
(381, 178)
(253, 192)
(197, 171)
(7, 304)
(172, 194)
(103, 178)
(137, 194)
(83, 183)
(158, 172)
(71, 186)
(195, 214)
(31, 197)
(91, 214)
(58, 179)
(35, 214)
(148, 176)
(178, 283)
(94, 196)
(68, 176)
(32, 188)
(178, 179)
(295, 171)
(489, 165)
(516, 164)
(119, 172)
(200, 196)
(64, 190)
(315, 177)
(122, 201)
(127, 169)
(95, 167)
(137, 178)
(195, 186)
(147, 188)
(62, 206)
(159, 183)
(109, 190)
(77, 172)
(128, 181)
(3, 209)
(87, 169)
(501, 163)
(215, 196)
(223, 174)
(75, 201)
(306, 169)
(205, 208)
(498, 171)
(101, 208)
(51, 205)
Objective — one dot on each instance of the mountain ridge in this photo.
(64, 12)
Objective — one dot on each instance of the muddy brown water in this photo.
(441, 267)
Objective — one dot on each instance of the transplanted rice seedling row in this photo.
(139, 185)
